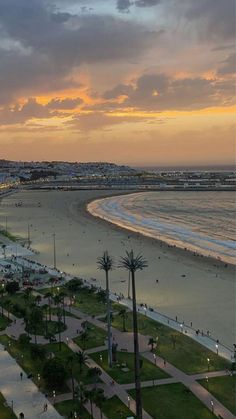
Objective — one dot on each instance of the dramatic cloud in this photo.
(159, 92)
(64, 103)
(51, 44)
(229, 65)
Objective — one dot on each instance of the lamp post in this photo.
(54, 396)
(128, 399)
(54, 251)
(208, 364)
(212, 406)
(207, 382)
(217, 349)
(155, 358)
(181, 327)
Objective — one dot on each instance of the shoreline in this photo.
(205, 297)
(164, 242)
(172, 248)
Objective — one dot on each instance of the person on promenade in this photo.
(21, 376)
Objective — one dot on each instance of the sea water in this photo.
(203, 222)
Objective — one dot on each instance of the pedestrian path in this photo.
(22, 395)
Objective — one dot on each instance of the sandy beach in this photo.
(205, 295)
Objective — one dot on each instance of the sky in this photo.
(139, 82)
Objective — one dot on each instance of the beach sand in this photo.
(205, 296)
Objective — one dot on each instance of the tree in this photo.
(74, 285)
(8, 305)
(99, 399)
(38, 299)
(82, 395)
(134, 263)
(62, 296)
(27, 294)
(12, 287)
(105, 262)
(38, 352)
(151, 343)
(24, 340)
(71, 362)
(48, 295)
(94, 373)
(123, 314)
(2, 291)
(90, 394)
(36, 317)
(54, 373)
(82, 359)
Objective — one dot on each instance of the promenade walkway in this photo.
(22, 395)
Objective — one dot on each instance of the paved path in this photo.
(24, 395)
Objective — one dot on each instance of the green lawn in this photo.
(41, 328)
(4, 322)
(64, 354)
(224, 389)
(188, 355)
(5, 412)
(65, 408)
(172, 401)
(95, 337)
(148, 370)
(28, 363)
(113, 408)
(16, 301)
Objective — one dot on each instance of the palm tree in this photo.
(62, 296)
(94, 373)
(105, 262)
(82, 359)
(99, 399)
(82, 395)
(48, 295)
(45, 308)
(134, 263)
(38, 299)
(71, 361)
(123, 314)
(2, 291)
(90, 394)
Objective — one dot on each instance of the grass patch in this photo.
(28, 363)
(224, 389)
(17, 303)
(172, 401)
(95, 336)
(53, 328)
(188, 355)
(113, 408)
(148, 370)
(63, 355)
(65, 408)
(4, 322)
(5, 411)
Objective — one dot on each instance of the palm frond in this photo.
(133, 263)
(105, 262)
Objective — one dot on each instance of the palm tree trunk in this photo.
(108, 322)
(136, 353)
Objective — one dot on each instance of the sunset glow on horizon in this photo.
(143, 82)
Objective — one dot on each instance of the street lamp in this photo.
(67, 340)
(207, 382)
(128, 399)
(217, 349)
(155, 358)
(208, 364)
(145, 310)
(181, 326)
(100, 357)
(212, 406)
(54, 396)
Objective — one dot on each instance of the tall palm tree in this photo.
(71, 361)
(134, 263)
(99, 399)
(49, 295)
(62, 295)
(82, 359)
(123, 314)
(105, 262)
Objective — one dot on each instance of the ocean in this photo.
(203, 222)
